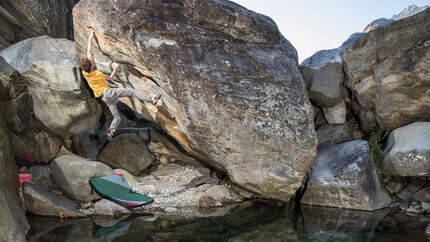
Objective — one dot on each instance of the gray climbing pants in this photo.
(110, 97)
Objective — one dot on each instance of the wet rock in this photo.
(13, 223)
(129, 152)
(327, 85)
(414, 208)
(407, 152)
(332, 224)
(20, 20)
(75, 230)
(334, 134)
(336, 114)
(411, 188)
(405, 195)
(422, 195)
(109, 208)
(71, 174)
(401, 226)
(218, 192)
(240, 66)
(51, 71)
(385, 71)
(394, 187)
(425, 206)
(343, 176)
(206, 202)
(43, 203)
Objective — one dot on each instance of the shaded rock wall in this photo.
(13, 224)
(49, 68)
(23, 19)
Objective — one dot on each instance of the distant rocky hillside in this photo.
(320, 58)
(407, 12)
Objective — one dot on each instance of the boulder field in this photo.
(237, 118)
(377, 80)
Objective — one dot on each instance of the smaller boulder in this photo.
(72, 173)
(51, 69)
(109, 208)
(327, 85)
(422, 195)
(335, 134)
(129, 152)
(343, 176)
(128, 177)
(41, 177)
(43, 203)
(222, 194)
(407, 152)
(336, 114)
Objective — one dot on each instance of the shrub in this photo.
(376, 144)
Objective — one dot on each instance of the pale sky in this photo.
(313, 25)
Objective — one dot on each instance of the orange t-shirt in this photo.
(96, 80)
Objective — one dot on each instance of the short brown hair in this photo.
(86, 64)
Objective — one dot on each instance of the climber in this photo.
(97, 80)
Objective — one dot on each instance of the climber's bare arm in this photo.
(90, 47)
(115, 67)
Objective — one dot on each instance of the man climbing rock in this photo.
(97, 80)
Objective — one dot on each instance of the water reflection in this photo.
(257, 223)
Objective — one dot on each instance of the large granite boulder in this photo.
(23, 19)
(233, 95)
(72, 173)
(129, 152)
(27, 136)
(43, 203)
(50, 68)
(13, 223)
(343, 176)
(387, 71)
(407, 152)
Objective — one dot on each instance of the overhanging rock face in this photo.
(232, 89)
